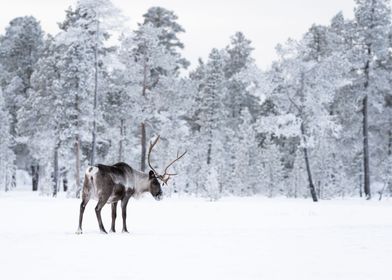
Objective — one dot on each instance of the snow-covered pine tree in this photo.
(325, 45)
(211, 135)
(20, 48)
(76, 65)
(244, 180)
(197, 79)
(102, 18)
(164, 98)
(44, 108)
(83, 64)
(297, 178)
(344, 166)
(272, 171)
(309, 84)
(237, 59)
(166, 20)
(142, 55)
(7, 156)
(239, 54)
(176, 103)
(372, 25)
(119, 111)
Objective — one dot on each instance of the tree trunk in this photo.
(306, 156)
(209, 148)
(13, 179)
(65, 184)
(319, 189)
(94, 140)
(145, 69)
(366, 168)
(143, 144)
(366, 159)
(120, 150)
(209, 153)
(35, 176)
(389, 183)
(55, 171)
(311, 185)
(64, 176)
(77, 171)
(4, 177)
(93, 144)
(142, 125)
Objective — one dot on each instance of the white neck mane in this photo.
(139, 181)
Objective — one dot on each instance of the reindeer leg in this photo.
(82, 208)
(114, 215)
(124, 203)
(85, 199)
(98, 209)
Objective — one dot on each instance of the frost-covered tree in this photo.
(238, 59)
(347, 148)
(211, 116)
(245, 180)
(77, 79)
(45, 109)
(20, 48)
(148, 77)
(272, 169)
(7, 156)
(239, 54)
(310, 80)
(371, 50)
(83, 65)
(242, 79)
(167, 21)
(175, 102)
(94, 21)
(120, 111)
(221, 116)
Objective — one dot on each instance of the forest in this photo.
(316, 124)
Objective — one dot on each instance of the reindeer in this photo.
(119, 182)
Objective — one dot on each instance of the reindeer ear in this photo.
(151, 174)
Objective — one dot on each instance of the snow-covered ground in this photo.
(187, 238)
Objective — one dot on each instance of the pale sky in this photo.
(208, 23)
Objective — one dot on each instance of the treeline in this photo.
(317, 123)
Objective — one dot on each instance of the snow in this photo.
(189, 238)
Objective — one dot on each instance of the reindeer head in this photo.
(155, 187)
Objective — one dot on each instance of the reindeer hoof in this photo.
(79, 231)
(112, 231)
(103, 231)
(125, 231)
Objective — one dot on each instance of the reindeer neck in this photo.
(141, 182)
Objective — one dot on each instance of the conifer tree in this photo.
(371, 50)
(20, 48)
(7, 155)
(166, 20)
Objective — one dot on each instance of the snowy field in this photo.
(187, 238)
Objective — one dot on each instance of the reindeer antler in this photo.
(166, 176)
(152, 144)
